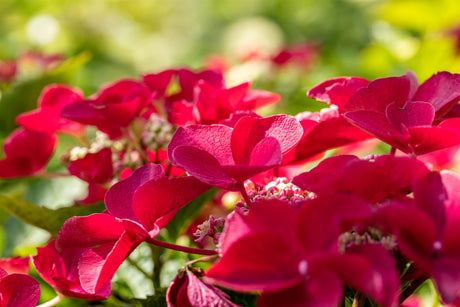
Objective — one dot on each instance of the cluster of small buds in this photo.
(210, 228)
(280, 188)
(100, 141)
(371, 235)
(157, 132)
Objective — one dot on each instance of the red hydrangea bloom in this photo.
(224, 157)
(328, 128)
(59, 269)
(8, 70)
(94, 168)
(372, 179)
(407, 116)
(212, 104)
(290, 254)
(26, 153)
(15, 265)
(18, 290)
(299, 55)
(427, 230)
(47, 118)
(96, 245)
(187, 290)
(42, 62)
(112, 108)
(186, 80)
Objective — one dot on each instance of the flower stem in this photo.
(53, 175)
(156, 252)
(181, 248)
(245, 196)
(52, 302)
(202, 259)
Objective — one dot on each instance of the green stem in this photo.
(157, 265)
(202, 259)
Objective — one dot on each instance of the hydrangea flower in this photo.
(407, 116)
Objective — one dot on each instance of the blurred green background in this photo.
(106, 39)
(103, 40)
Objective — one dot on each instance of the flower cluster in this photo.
(367, 229)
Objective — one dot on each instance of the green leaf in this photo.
(186, 214)
(157, 300)
(42, 217)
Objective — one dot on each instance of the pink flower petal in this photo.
(337, 91)
(376, 123)
(442, 91)
(430, 195)
(214, 139)
(119, 198)
(371, 269)
(412, 114)
(259, 261)
(446, 275)
(47, 117)
(200, 294)
(19, 290)
(94, 168)
(249, 131)
(309, 293)
(427, 139)
(380, 93)
(204, 167)
(171, 194)
(88, 231)
(98, 264)
(15, 265)
(27, 152)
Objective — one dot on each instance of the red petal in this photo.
(201, 294)
(19, 290)
(259, 261)
(249, 131)
(380, 93)
(309, 293)
(214, 139)
(94, 168)
(337, 91)
(430, 195)
(159, 82)
(412, 114)
(427, 139)
(442, 91)
(88, 231)
(370, 269)
(205, 167)
(27, 152)
(170, 195)
(119, 198)
(98, 264)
